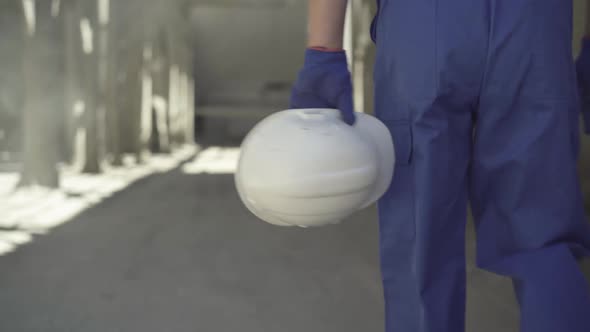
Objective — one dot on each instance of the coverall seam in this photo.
(412, 165)
(484, 75)
(435, 46)
(537, 99)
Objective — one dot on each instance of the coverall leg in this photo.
(480, 98)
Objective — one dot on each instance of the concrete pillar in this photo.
(361, 52)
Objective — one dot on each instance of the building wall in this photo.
(244, 51)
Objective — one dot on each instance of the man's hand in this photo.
(324, 82)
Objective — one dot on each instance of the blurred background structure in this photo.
(87, 81)
(120, 124)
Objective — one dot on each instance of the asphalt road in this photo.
(178, 252)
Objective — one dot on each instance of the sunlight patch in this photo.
(214, 160)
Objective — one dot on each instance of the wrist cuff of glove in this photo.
(325, 49)
(315, 56)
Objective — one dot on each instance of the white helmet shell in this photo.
(307, 168)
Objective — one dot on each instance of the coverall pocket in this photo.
(401, 133)
(396, 207)
(374, 23)
(374, 29)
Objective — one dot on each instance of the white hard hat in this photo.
(306, 167)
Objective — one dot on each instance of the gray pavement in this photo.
(178, 252)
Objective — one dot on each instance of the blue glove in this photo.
(583, 73)
(324, 82)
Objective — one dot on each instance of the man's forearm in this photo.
(326, 23)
